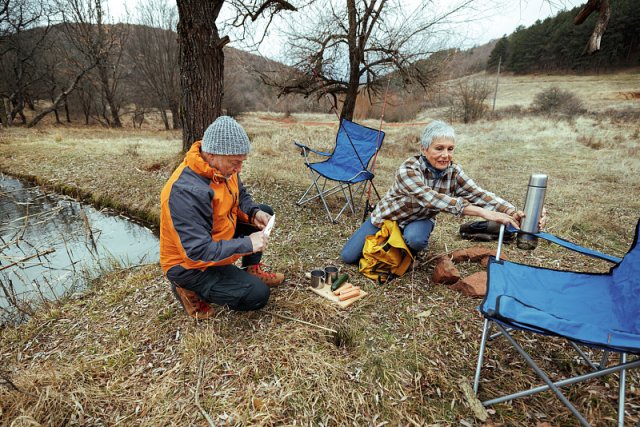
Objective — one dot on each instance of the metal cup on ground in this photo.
(317, 278)
(331, 274)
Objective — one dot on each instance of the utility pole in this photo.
(495, 94)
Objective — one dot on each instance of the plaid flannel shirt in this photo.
(418, 194)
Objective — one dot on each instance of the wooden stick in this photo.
(37, 254)
(200, 408)
(301, 321)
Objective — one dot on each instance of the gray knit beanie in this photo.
(225, 136)
(434, 130)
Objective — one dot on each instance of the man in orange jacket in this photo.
(208, 221)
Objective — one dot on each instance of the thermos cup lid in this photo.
(538, 180)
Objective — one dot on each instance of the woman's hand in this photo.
(261, 219)
(519, 215)
(503, 218)
(499, 217)
(543, 219)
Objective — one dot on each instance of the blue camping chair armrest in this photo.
(571, 246)
(305, 149)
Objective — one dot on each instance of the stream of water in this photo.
(52, 245)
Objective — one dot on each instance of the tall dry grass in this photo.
(124, 353)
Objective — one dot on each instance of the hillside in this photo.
(142, 75)
(557, 44)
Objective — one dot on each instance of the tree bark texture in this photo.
(604, 10)
(351, 93)
(201, 67)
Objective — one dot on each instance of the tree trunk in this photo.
(110, 97)
(175, 117)
(165, 119)
(4, 119)
(66, 110)
(351, 94)
(201, 67)
(55, 111)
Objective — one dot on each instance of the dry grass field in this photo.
(123, 353)
(600, 92)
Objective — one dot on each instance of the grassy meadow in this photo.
(124, 353)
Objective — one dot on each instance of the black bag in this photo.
(483, 231)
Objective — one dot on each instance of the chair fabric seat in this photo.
(347, 173)
(583, 307)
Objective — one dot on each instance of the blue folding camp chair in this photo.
(597, 310)
(347, 166)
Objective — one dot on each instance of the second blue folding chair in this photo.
(593, 310)
(345, 170)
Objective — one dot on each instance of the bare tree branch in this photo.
(351, 46)
(59, 99)
(603, 7)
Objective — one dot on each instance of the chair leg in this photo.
(584, 357)
(314, 180)
(324, 201)
(347, 192)
(544, 377)
(483, 343)
(622, 391)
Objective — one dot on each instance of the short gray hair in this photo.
(436, 129)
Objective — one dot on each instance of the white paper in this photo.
(269, 227)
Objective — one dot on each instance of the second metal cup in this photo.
(317, 278)
(331, 273)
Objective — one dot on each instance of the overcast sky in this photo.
(495, 22)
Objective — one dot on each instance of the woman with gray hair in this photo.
(424, 186)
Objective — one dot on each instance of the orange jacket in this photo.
(199, 210)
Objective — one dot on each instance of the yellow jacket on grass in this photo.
(385, 255)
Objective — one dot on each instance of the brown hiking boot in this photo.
(269, 279)
(192, 303)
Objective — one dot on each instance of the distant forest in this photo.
(556, 44)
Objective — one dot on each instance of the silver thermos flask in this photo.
(533, 204)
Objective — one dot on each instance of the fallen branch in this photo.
(6, 381)
(301, 321)
(197, 392)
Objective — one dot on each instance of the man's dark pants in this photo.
(227, 285)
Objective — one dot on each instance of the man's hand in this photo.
(258, 241)
(260, 219)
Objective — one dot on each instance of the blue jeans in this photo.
(415, 234)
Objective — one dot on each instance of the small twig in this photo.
(37, 254)
(88, 230)
(202, 411)
(26, 223)
(301, 321)
(131, 267)
(54, 210)
(66, 248)
(5, 381)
